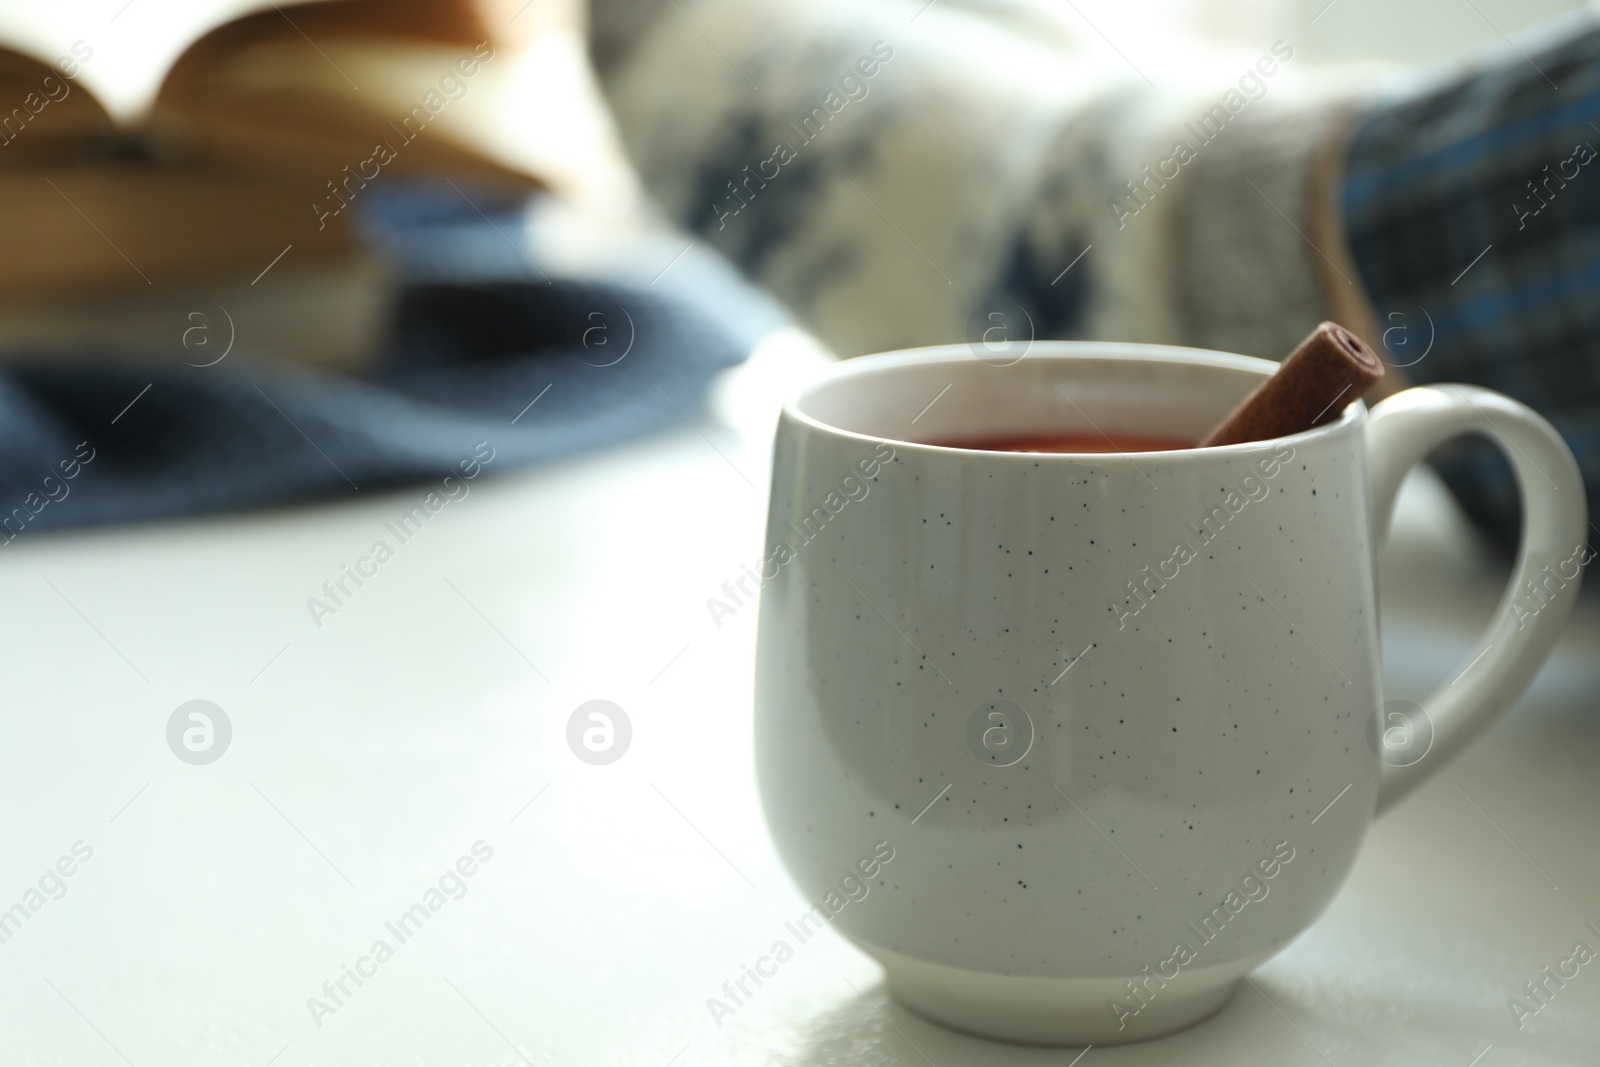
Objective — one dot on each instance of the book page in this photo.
(42, 115)
(399, 106)
(120, 50)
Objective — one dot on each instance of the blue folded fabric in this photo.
(485, 347)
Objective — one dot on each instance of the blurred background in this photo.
(324, 186)
(1414, 33)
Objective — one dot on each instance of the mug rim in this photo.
(1062, 352)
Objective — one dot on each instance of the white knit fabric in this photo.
(980, 159)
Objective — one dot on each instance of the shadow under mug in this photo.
(1116, 719)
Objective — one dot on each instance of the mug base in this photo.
(1059, 1012)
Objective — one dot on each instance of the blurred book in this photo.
(331, 315)
(168, 147)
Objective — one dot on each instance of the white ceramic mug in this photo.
(1119, 716)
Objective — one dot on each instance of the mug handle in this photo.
(1401, 431)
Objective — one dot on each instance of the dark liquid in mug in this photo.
(1070, 442)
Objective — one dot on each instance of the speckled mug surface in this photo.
(1119, 716)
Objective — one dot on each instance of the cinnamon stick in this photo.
(1329, 370)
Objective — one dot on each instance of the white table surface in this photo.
(430, 713)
